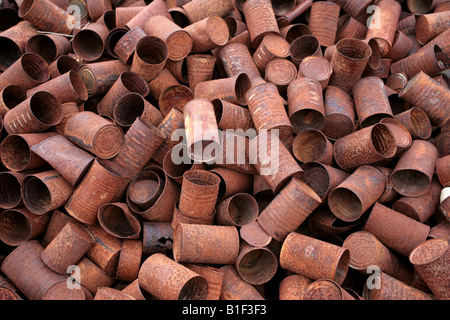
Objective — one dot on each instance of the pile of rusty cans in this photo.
(224, 150)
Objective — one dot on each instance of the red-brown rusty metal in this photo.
(150, 57)
(132, 106)
(181, 217)
(392, 289)
(355, 9)
(349, 61)
(208, 33)
(19, 225)
(421, 91)
(339, 113)
(10, 186)
(293, 31)
(105, 293)
(293, 287)
(351, 28)
(129, 260)
(365, 146)
(232, 182)
(304, 46)
(313, 258)
(429, 26)
(323, 178)
(16, 154)
(256, 265)
(414, 170)
(44, 191)
(389, 194)
(176, 96)
(237, 210)
(90, 42)
(417, 122)
(326, 290)
(267, 110)
(10, 97)
(67, 88)
(166, 279)
(200, 68)
(99, 77)
(401, 134)
(117, 219)
(356, 194)
(260, 19)
(316, 68)
(441, 142)
(289, 209)
(236, 58)
(112, 39)
(235, 26)
(288, 17)
(92, 276)
(232, 116)
(126, 45)
(423, 207)
(155, 8)
(144, 193)
(234, 288)
(13, 41)
(173, 120)
(179, 42)
(163, 81)
(25, 269)
(422, 7)
(62, 65)
(272, 46)
(254, 235)
(212, 275)
(400, 47)
(85, 201)
(431, 259)
(68, 109)
(48, 46)
(395, 230)
(366, 250)
(157, 238)
(127, 82)
(443, 170)
(323, 21)
(28, 71)
(67, 248)
(280, 72)
(312, 145)
(133, 290)
(178, 15)
(197, 10)
(65, 157)
(47, 16)
(94, 134)
(57, 221)
(323, 221)
(396, 81)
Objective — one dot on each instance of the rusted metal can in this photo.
(366, 250)
(312, 145)
(181, 217)
(429, 26)
(325, 289)
(313, 258)
(10, 187)
(163, 81)
(289, 209)
(421, 91)
(304, 46)
(150, 57)
(288, 17)
(323, 21)
(443, 170)
(117, 219)
(10, 97)
(157, 238)
(430, 259)
(105, 293)
(267, 110)
(132, 106)
(395, 230)
(155, 8)
(316, 68)
(355, 9)
(129, 260)
(280, 72)
(417, 123)
(48, 46)
(173, 120)
(25, 269)
(200, 68)
(371, 102)
(95, 134)
(232, 116)
(62, 65)
(339, 111)
(85, 201)
(355, 195)
(90, 42)
(237, 210)
(236, 58)
(349, 60)
(126, 45)
(65, 157)
(260, 19)
(166, 279)
(414, 170)
(441, 142)
(99, 77)
(135, 291)
(16, 152)
(178, 69)
(254, 235)
(28, 71)
(67, 88)
(323, 178)
(256, 265)
(92, 276)
(234, 288)
(44, 191)
(212, 275)
(208, 33)
(293, 287)
(365, 146)
(19, 225)
(293, 31)
(400, 47)
(423, 207)
(67, 248)
(232, 182)
(47, 16)
(306, 106)
(127, 82)
(272, 46)
(179, 42)
(197, 10)
(57, 221)
(235, 25)
(392, 289)
(176, 96)
(351, 28)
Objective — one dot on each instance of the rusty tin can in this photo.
(90, 42)
(325, 289)
(48, 46)
(200, 68)
(197, 10)
(62, 65)
(293, 287)
(416, 121)
(323, 21)
(234, 288)
(150, 57)
(99, 77)
(10, 187)
(126, 45)
(260, 19)
(10, 97)
(212, 275)
(303, 47)
(157, 238)
(237, 210)
(311, 145)
(208, 33)
(339, 111)
(443, 170)
(118, 220)
(140, 18)
(280, 72)
(272, 46)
